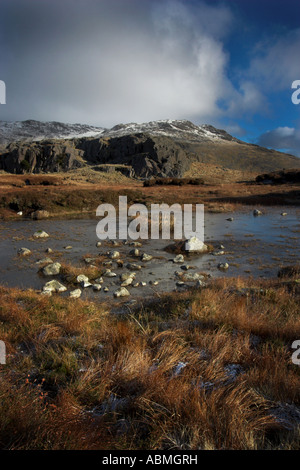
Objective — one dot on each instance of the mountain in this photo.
(157, 148)
(30, 130)
(35, 131)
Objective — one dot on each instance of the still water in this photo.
(254, 246)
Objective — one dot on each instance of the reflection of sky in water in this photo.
(254, 246)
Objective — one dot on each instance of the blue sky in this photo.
(228, 63)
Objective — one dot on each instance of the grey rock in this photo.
(52, 269)
(185, 267)
(127, 282)
(85, 284)
(218, 253)
(82, 278)
(40, 234)
(195, 245)
(223, 266)
(136, 244)
(133, 267)
(75, 294)
(39, 215)
(24, 252)
(128, 275)
(121, 292)
(135, 252)
(178, 259)
(113, 254)
(257, 212)
(97, 287)
(54, 286)
(192, 277)
(125, 276)
(89, 260)
(107, 263)
(146, 257)
(44, 261)
(109, 273)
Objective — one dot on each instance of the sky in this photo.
(228, 63)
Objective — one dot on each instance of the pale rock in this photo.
(223, 266)
(146, 257)
(121, 292)
(194, 244)
(178, 259)
(257, 212)
(24, 252)
(54, 286)
(97, 287)
(82, 278)
(41, 234)
(109, 273)
(44, 261)
(75, 294)
(52, 269)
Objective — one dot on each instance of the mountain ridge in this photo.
(157, 148)
(34, 131)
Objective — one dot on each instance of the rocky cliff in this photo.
(162, 148)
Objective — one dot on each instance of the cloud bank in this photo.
(103, 62)
(286, 139)
(114, 61)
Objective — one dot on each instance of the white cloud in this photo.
(282, 138)
(120, 61)
(117, 62)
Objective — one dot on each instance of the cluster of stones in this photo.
(127, 279)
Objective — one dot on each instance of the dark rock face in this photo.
(40, 157)
(159, 156)
(158, 149)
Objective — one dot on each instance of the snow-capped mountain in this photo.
(33, 131)
(181, 129)
(157, 148)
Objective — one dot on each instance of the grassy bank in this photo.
(204, 369)
(77, 200)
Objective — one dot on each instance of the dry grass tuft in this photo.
(197, 370)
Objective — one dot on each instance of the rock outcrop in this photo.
(160, 149)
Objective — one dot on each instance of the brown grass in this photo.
(78, 377)
(75, 195)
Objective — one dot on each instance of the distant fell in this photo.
(169, 148)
